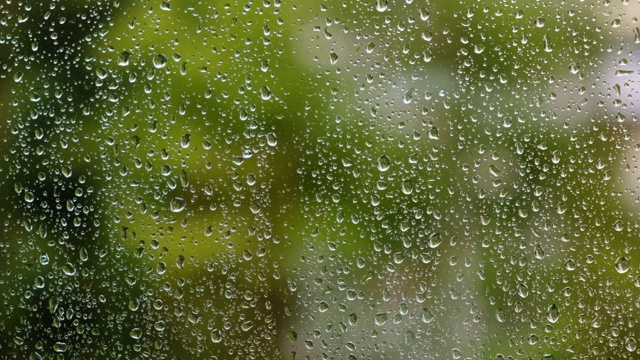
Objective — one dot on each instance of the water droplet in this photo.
(184, 141)
(381, 318)
(60, 347)
(159, 61)
(631, 344)
(407, 187)
(333, 58)
(383, 163)
(523, 290)
(135, 333)
(323, 306)
(538, 252)
(622, 264)
(370, 47)
(501, 315)
(408, 96)
(382, 5)
(272, 140)
(547, 44)
(84, 255)
(177, 204)
(165, 5)
(424, 14)
(29, 197)
(409, 338)
(68, 269)
(216, 336)
(553, 313)
(265, 93)
(246, 326)
(434, 134)
(618, 225)
(539, 22)
(435, 240)
(123, 58)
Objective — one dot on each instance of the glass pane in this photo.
(319, 179)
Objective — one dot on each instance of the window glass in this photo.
(278, 179)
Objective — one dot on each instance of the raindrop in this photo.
(553, 313)
(381, 318)
(135, 333)
(631, 344)
(177, 204)
(618, 225)
(382, 5)
(272, 140)
(622, 264)
(60, 347)
(435, 240)
(159, 61)
(265, 93)
(323, 306)
(123, 58)
(523, 290)
(216, 336)
(333, 58)
(383, 163)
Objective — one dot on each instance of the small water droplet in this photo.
(165, 5)
(501, 315)
(539, 22)
(618, 225)
(538, 252)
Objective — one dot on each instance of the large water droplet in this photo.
(553, 313)
(631, 344)
(159, 61)
(216, 336)
(622, 264)
(265, 93)
(177, 204)
(383, 163)
(381, 318)
(382, 5)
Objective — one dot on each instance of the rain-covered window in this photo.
(319, 179)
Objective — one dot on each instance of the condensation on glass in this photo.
(276, 179)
